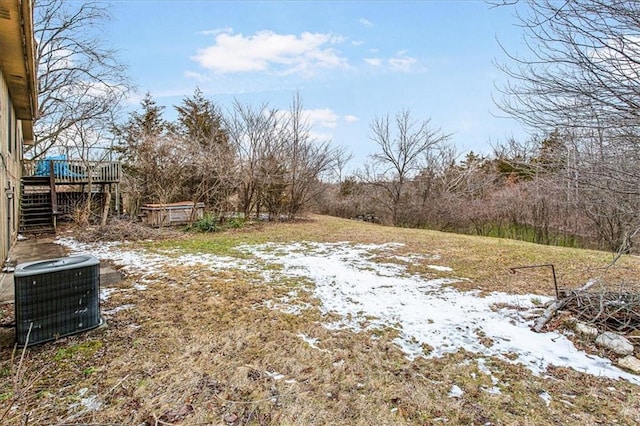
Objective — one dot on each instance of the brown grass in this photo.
(202, 348)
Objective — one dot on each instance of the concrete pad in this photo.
(108, 275)
(30, 250)
(33, 249)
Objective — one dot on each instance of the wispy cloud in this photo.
(216, 31)
(374, 62)
(365, 22)
(350, 118)
(402, 62)
(322, 117)
(193, 75)
(314, 117)
(267, 51)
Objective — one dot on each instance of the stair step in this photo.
(38, 230)
(38, 203)
(34, 178)
(39, 217)
(35, 182)
(36, 195)
(38, 209)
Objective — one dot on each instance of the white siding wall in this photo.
(10, 171)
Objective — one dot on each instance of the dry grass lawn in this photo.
(201, 348)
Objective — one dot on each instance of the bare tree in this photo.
(582, 68)
(342, 158)
(581, 79)
(89, 142)
(79, 78)
(404, 146)
(307, 158)
(253, 133)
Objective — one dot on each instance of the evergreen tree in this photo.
(200, 121)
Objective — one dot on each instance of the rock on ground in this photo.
(630, 363)
(586, 329)
(615, 342)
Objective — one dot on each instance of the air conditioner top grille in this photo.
(54, 265)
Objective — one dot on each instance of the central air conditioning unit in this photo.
(56, 298)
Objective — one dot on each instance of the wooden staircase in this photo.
(38, 205)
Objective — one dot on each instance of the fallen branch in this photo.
(548, 314)
(559, 304)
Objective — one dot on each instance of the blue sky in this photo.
(349, 60)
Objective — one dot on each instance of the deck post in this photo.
(52, 190)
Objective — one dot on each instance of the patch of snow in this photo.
(440, 268)
(139, 286)
(143, 263)
(546, 398)
(312, 342)
(494, 390)
(274, 375)
(287, 306)
(455, 392)
(105, 292)
(484, 369)
(118, 309)
(366, 294)
(91, 403)
(411, 258)
(350, 281)
(87, 404)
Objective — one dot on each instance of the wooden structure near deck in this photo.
(181, 213)
(51, 188)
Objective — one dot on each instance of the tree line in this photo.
(575, 84)
(257, 160)
(252, 159)
(539, 191)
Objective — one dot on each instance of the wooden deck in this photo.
(51, 188)
(70, 172)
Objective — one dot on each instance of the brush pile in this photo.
(617, 311)
(121, 230)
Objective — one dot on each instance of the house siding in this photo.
(11, 141)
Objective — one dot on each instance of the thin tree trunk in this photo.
(106, 206)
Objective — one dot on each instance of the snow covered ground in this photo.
(366, 293)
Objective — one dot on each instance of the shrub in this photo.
(207, 223)
(234, 223)
(211, 223)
